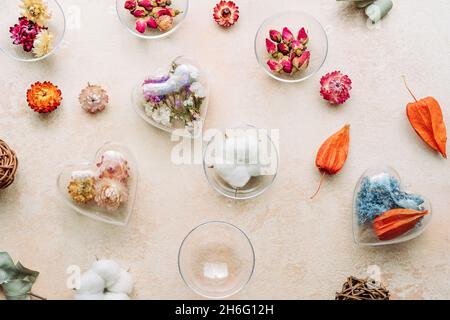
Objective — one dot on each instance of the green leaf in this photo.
(25, 273)
(17, 289)
(8, 269)
(15, 279)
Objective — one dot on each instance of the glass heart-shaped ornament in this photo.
(104, 188)
(378, 191)
(174, 100)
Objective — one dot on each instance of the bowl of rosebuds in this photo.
(291, 46)
(152, 19)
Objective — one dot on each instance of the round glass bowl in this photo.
(370, 183)
(216, 260)
(294, 20)
(9, 16)
(119, 216)
(165, 98)
(128, 20)
(253, 151)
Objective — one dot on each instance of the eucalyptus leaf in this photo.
(17, 289)
(8, 269)
(16, 280)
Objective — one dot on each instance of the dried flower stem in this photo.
(322, 178)
(407, 88)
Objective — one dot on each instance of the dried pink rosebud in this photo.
(141, 25)
(302, 36)
(151, 23)
(275, 35)
(283, 48)
(145, 4)
(287, 66)
(335, 87)
(287, 35)
(297, 47)
(139, 13)
(271, 47)
(302, 62)
(130, 4)
(274, 65)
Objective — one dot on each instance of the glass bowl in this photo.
(129, 21)
(363, 231)
(169, 96)
(216, 260)
(120, 216)
(259, 158)
(294, 20)
(9, 15)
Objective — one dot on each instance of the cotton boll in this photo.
(89, 296)
(123, 285)
(116, 296)
(235, 176)
(91, 283)
(108, 270)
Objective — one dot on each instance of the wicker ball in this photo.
(8, 165)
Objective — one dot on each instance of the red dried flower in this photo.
(226, 13)
(335, 87)
(24, 33)
(44, 97)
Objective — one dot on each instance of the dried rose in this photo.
(275, 35)
(283, 48)
(151, 23)
(270, 46)
(139, 13)
(274, 65)
(302, 62)
(130, 4)
(287, 35)
(141, 25)
(287, 66)
(146, 4)
(297, 47)
(302, 36)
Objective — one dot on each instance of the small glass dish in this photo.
(216, 260)
(128, 20)
(371, 184)
(9, 16)
(244, 168)
(161, 100)
(119, 216)
(294, 20)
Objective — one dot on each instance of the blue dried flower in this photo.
(381, 193)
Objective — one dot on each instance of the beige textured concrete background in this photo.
(304, 249)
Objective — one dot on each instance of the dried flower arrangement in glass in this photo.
(241, 163)
(174, 101)
(152, 19)
(383, 212)
(290, 57)
(216, 260)
(8, 165)
(104, 189)
(31, 30)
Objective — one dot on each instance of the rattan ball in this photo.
(8, 165)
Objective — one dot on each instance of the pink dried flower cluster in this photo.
(152, 14)
(289, 54)
(24, 33)
(335, 87)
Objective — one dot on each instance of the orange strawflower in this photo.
(44, 97)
